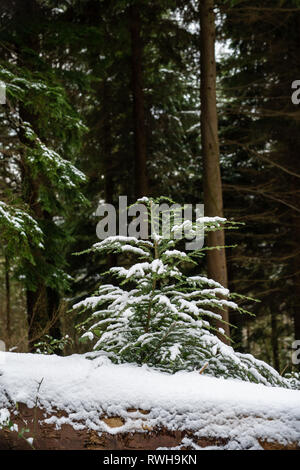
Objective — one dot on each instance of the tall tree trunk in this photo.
(37, 317)
(213, 199)
(274, 336)
(8, 303)
(296, 279)
(108, 162)
(40, 306)
(53, 306)
(36, 298)
(42, 302)
(141, 183)
(107, 143)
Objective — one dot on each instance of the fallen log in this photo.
(75, 403)
(48, 437)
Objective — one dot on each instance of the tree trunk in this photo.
(296, 264)
(108, 163)
(141, 183)
(213, 199)
(36, 315)
(48, 436)
(53, 306)
(296, 286)
(40, 314)
(8, 303)
(274, 337)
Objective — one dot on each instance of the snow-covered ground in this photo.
(89, 390)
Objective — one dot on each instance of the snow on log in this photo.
(86, 402)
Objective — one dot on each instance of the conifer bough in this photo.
(155, 314)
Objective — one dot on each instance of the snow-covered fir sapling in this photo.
(158, 315)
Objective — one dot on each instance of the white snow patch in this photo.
(90, 389)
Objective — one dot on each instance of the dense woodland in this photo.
(110, 98)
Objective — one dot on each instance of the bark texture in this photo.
(213, 198)
(47, 437)
(141, 184)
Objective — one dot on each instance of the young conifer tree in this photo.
(155, 314)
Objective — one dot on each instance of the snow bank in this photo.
(90, 390)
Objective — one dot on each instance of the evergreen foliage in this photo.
(158, 315)
(67, 68)
(46, 178)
